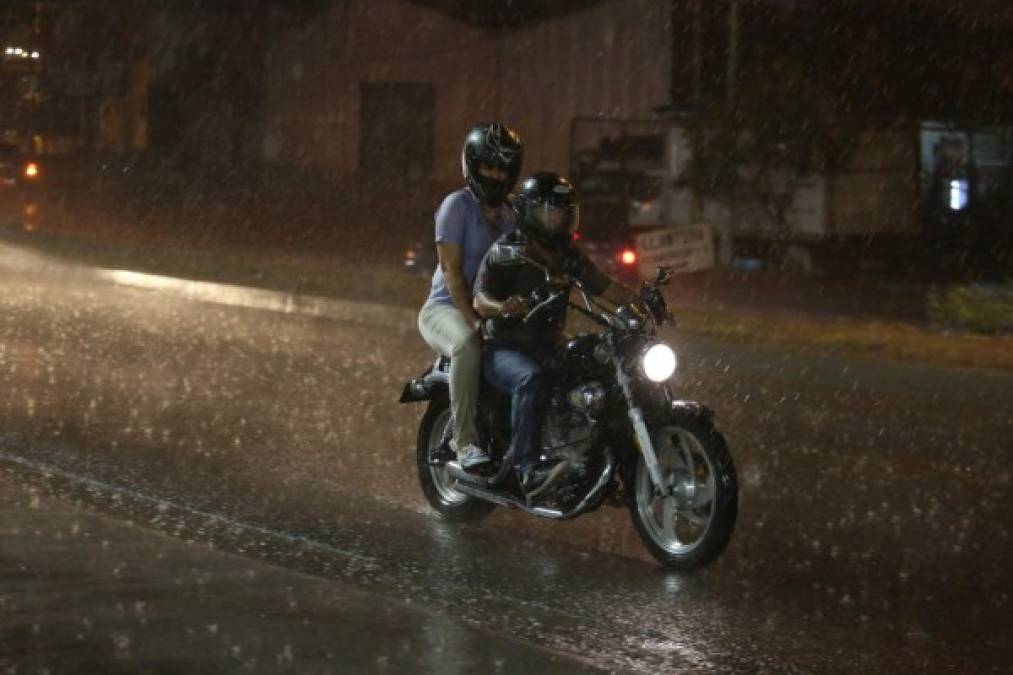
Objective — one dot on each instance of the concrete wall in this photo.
(314, 76)
(611, 61)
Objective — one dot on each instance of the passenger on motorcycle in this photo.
(547, 215)
(468, 221)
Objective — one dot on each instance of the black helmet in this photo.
(547, 208)
(495, 145)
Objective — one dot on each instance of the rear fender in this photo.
(426, 387)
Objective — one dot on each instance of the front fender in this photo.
(686, 411)
(660, 412)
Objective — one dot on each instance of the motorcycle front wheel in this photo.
(437, 483)
(689, 526)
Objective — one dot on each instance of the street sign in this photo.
(687, 248)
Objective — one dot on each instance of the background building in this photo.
(381, 92)
(359, 100)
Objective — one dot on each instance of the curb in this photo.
(386, 316)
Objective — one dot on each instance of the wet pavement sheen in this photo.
(81, 593)
(873, 531)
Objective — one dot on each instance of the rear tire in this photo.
(689, 528)
(437, 484)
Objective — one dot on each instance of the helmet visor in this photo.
(556, 218)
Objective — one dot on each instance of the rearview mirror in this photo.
(664, 275)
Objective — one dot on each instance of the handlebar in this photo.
(542, 305)
(607, 318)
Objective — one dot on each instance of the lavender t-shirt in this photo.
(459, 221)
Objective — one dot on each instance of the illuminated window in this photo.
(958, 194)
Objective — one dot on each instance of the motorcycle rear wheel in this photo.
(689, 527)
(437, 484)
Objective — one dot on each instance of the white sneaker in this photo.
(470, 455)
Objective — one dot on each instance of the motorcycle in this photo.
(613, 433)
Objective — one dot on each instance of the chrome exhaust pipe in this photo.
(470, 487)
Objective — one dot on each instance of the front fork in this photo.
(641, 433)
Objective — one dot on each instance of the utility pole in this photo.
(728, 228)
(697, 56)
(733, 49)
(696, 202)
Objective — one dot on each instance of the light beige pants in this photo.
(445, 329)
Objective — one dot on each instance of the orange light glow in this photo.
(628, 257)
(32, 170)
(31, 210)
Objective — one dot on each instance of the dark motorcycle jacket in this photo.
(500, 281)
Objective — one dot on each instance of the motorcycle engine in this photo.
(568, 432)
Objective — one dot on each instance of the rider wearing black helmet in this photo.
(495, 147)
(548, 215)
(547, 209)
(467, 223)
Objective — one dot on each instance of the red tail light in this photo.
(576, 236)
(628, 257)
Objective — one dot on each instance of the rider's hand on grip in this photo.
(512, 307)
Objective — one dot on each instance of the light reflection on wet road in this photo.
(874, 514)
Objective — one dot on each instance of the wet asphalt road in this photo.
(131, 600)
(874, 512)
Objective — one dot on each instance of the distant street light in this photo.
(23, 53)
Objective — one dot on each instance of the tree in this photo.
(782, 127)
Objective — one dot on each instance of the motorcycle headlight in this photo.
(658, 362)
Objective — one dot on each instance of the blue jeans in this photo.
(517, 374)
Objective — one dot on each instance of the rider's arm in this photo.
(490, 308)
(618, 294)
(487, 307)
(490, 287)
(600, 284)
(450, 263)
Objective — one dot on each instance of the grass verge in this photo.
(876, 339)
(979, 308)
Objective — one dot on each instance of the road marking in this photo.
(89, 481)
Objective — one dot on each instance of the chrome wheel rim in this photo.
(442, 480)
(679, 520)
